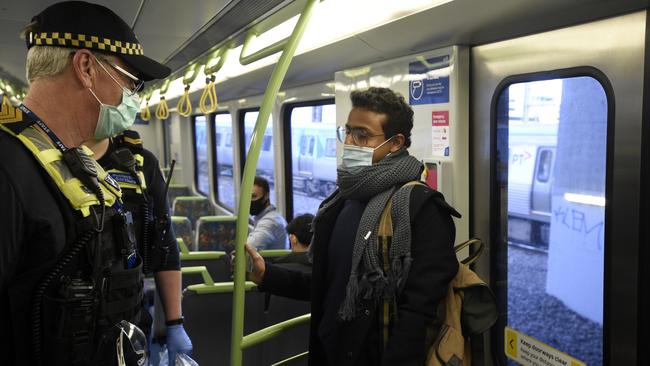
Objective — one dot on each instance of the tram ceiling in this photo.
(180, 32)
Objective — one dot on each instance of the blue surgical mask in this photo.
(115, 119)
(356, 158)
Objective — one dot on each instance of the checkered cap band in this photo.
(83, 41)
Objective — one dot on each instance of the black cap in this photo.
(78, 24)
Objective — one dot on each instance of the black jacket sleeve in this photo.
(156, 190)
(286, 282)
(434, 266)
(11, 228)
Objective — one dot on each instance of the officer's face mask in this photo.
(258, 206)
(356, 158)
(115, 119)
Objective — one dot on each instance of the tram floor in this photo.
(544, 317)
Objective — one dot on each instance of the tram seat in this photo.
(183, 229)
(208, 323)
(217, 263)
(216, 233)
(177, 190)
(192, 207)
(293, 341)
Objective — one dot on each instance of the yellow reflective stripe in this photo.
(51, 155)
(133, 141)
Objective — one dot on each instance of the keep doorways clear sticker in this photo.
(529, 351)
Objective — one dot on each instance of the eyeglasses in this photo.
(359, 135)
(135, 84)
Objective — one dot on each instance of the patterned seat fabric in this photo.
(183, 229)
(192, 207)
(177, 190)
(216, 233)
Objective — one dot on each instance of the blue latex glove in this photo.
(177, 342)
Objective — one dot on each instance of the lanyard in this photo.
(33, 118)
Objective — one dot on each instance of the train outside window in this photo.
(265, 167)
(556, 141)
(201, 155)
(223, 153)
(313, 155)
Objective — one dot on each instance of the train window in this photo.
(200, 154)
(551, 146)
(265, 166)
(544, 165)
(223, 153)
(310, 163)
(330, 147)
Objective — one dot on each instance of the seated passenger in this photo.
(299, 230)
(269, 225)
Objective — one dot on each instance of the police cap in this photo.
(78, 24)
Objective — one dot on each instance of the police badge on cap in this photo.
(78, 24)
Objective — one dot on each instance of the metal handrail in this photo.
(250, 168)
(291, 359)
(273, 331)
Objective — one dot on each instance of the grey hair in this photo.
(46, 61)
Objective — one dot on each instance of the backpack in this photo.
(468, 309)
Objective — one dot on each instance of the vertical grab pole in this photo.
(249, 174)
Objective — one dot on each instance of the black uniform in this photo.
(358, 342)
(67, 275)
(167, 256)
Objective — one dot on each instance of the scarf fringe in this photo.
(349, 306)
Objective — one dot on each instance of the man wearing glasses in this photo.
(370, 307)
(70, 262)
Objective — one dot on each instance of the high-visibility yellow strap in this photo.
(51, 155)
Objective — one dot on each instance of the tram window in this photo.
(223, 153)
(265, 166)
(201, 155)
(330, 147)
(310, 155)
(552, 159)
(544, 165)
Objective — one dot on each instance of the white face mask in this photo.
(356, 158)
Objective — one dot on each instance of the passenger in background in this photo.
(269, 226)
(137, 171)
(367, 309)
(300, 234)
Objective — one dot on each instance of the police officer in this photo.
(69, 265)
(137, 172)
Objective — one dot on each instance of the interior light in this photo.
(585, 199)
(343, 13)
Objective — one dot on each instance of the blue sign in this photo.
(429, 90)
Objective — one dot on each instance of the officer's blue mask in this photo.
(113, 120)
(356, 158)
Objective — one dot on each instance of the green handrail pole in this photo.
(249, 174)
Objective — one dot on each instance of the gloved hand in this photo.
(177, 342)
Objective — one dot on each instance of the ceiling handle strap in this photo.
(209, 95)
(162, 112)
(184, 106)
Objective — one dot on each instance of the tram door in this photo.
(556, 130)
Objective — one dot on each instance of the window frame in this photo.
(195, 155)
(287, 147)
(214, 152)
(499, 212)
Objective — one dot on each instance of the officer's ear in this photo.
(82, 65)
